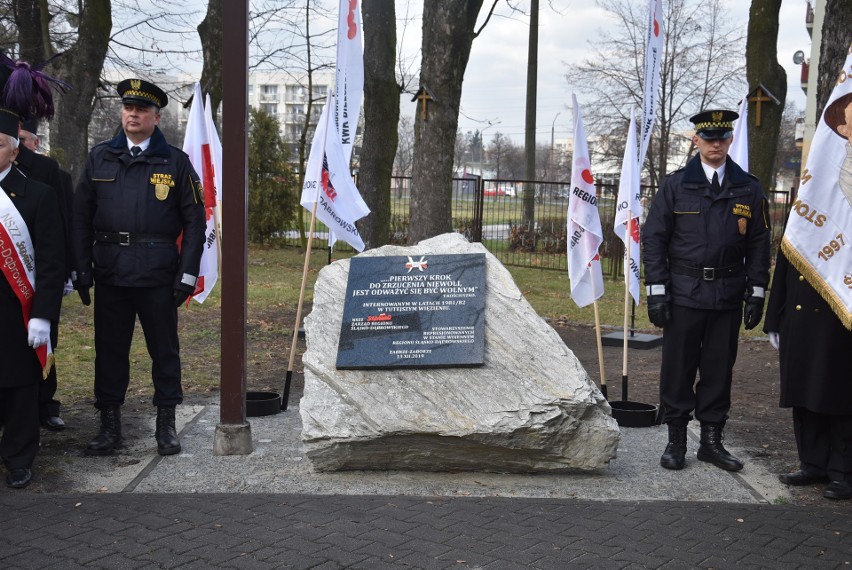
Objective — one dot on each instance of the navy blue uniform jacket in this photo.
(157, 193)
(690, 224)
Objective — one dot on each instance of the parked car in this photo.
(494, 192)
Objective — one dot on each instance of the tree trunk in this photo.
(835, 46)
(28, 20)
(529, 123)
(81, 66)
(210, 32)
(448, 31)
(762, 67)
(381, 119)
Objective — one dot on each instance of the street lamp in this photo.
(481, 141)
(552, 133)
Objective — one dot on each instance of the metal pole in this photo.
(235, 212)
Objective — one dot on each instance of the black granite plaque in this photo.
(421, 311)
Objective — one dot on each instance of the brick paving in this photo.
(260, 531)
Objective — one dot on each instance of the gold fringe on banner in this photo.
(817, 282)
(51, 361)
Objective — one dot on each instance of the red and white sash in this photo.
(17, 257)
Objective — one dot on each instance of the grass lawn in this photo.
(273, 291)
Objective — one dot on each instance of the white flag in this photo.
(629, 209)
(818, 236)
(196, 144)
(651, 85)
(327, 179)
(349, 81)
(584, 223)
(739, 148)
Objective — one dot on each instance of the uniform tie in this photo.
(135, 151)
(715, 183)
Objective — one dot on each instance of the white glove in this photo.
(39, 332)
(774, 339)
(69, 288)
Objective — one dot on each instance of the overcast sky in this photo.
(495, 81)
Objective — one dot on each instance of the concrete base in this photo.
(232, 439)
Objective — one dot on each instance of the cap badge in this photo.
(717, 116)
(135, 84)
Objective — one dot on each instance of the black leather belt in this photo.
(127, 238)
(706, 273)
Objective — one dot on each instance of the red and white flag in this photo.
(739, 148)
(197, 145)
(329, 184)
(651, 85)
(628, 209)
(349, 81)
(584, 223)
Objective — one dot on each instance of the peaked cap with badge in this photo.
(716, 124)
(141, 92)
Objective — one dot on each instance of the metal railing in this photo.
(492, 211)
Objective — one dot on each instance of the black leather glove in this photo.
(752, 312)
(84, 295)
(658, 310)
(181, 296)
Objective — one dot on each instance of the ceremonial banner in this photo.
(818, 236)
(17, 263)
(651, 85)
(584, 224)
(349, 82)
(328, 182)
(629, 209)
(196, 144)
(739, 148)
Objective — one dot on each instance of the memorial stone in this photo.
(530, 407)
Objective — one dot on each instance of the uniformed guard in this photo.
(705, 249)
(32, 255)
(135, 197)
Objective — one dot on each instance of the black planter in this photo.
(262, 404)
(634, 414)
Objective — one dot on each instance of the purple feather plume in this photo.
(28, 89)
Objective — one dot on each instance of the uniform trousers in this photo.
(824, 442)
(116, 309)
(21, 430)
(703, 341)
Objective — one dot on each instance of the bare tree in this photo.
(835, 46)
(210, 32)
(764, 69)
(448, 32)
(405, 147)
(700, 68)
(381, 118)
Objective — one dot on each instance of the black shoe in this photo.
(712, 450)
(109, 437)
(53, 423)
(166, 434)
(18, 478)
(838, 490)
(803, 477)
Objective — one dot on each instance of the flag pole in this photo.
(626, 304)
(285, 397)
(600, 351)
